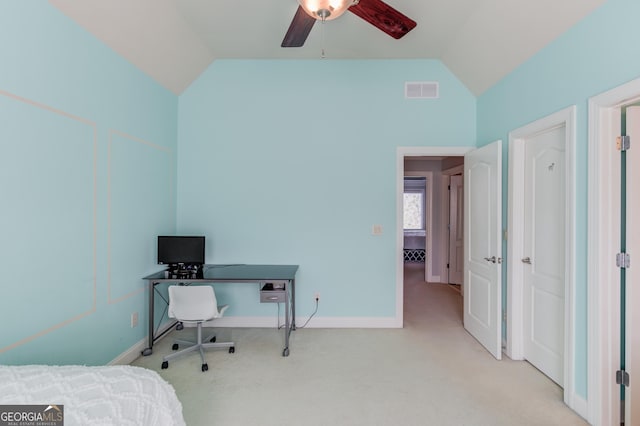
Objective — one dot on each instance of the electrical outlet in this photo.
(316, 296)
(376, 229)
(134, 319)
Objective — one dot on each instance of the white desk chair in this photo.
(195, 304)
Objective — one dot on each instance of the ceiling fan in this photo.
(376, 12)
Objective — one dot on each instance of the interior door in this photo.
(456, 228)
(544, 251)
(632, 406)
(483, 246)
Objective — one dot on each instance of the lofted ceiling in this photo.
(173, 41)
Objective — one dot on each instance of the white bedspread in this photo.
(110, 395)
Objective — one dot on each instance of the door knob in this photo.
(490, 259)
(526, 260)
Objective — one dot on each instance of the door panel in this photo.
(483, 246)
(544, 235)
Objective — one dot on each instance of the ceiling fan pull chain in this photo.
(322, 55)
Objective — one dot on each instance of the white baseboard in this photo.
(315, 322)
(580, 406)
(135, 351)
(131, 354)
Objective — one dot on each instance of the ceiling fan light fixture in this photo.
(326, 10)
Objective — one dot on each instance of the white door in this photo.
(544, 252)
(456, 228)
(632, 407)
(483, 246)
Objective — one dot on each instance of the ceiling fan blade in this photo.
(299, 29)
(382, 16)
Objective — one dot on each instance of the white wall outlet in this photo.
(316, 296)
(134, 319)
(376, 230)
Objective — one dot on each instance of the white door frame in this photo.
(446, 194)
(603, 243)
(401, 153)
(515, 232)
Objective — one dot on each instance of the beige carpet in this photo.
(431, 372)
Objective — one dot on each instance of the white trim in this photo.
(515, 271)
(603, 230)
(401, 153)
(315, 322)
(456, 170)
(581, 406)
(446, 215)
(443, 226)
(134, 352)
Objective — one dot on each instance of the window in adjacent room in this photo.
(413, 208)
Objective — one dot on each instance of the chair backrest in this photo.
(192, 303)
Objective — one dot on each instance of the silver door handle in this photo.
(490, 259)
(526, 260)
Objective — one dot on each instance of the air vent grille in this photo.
(421, 90)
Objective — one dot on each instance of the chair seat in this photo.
(195, 305)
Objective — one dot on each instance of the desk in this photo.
(260, 274)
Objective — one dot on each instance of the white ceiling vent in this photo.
(421, 90)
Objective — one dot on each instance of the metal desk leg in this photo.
(287, 330)
(293, 304)
(149, 350)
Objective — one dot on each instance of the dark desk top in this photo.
(234, 272)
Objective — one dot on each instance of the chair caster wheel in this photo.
(180, 326)
(165, 365)
(213, 339)
(232, 349)
(174, 347)
(205, 367)
(285, 352)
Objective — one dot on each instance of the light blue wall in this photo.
(87, 180)
(592, 57)
(278, 162)
(294, 161)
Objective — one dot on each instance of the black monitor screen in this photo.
(175, 249)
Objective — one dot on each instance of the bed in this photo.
(109, 395)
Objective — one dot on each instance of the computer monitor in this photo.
(186, 250)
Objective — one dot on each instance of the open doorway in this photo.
(402, 154)
(431, 168)
(432, 217)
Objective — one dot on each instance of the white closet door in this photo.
(544, 251)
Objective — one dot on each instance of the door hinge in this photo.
(623, 143)
(622, 378)
(623, 260)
